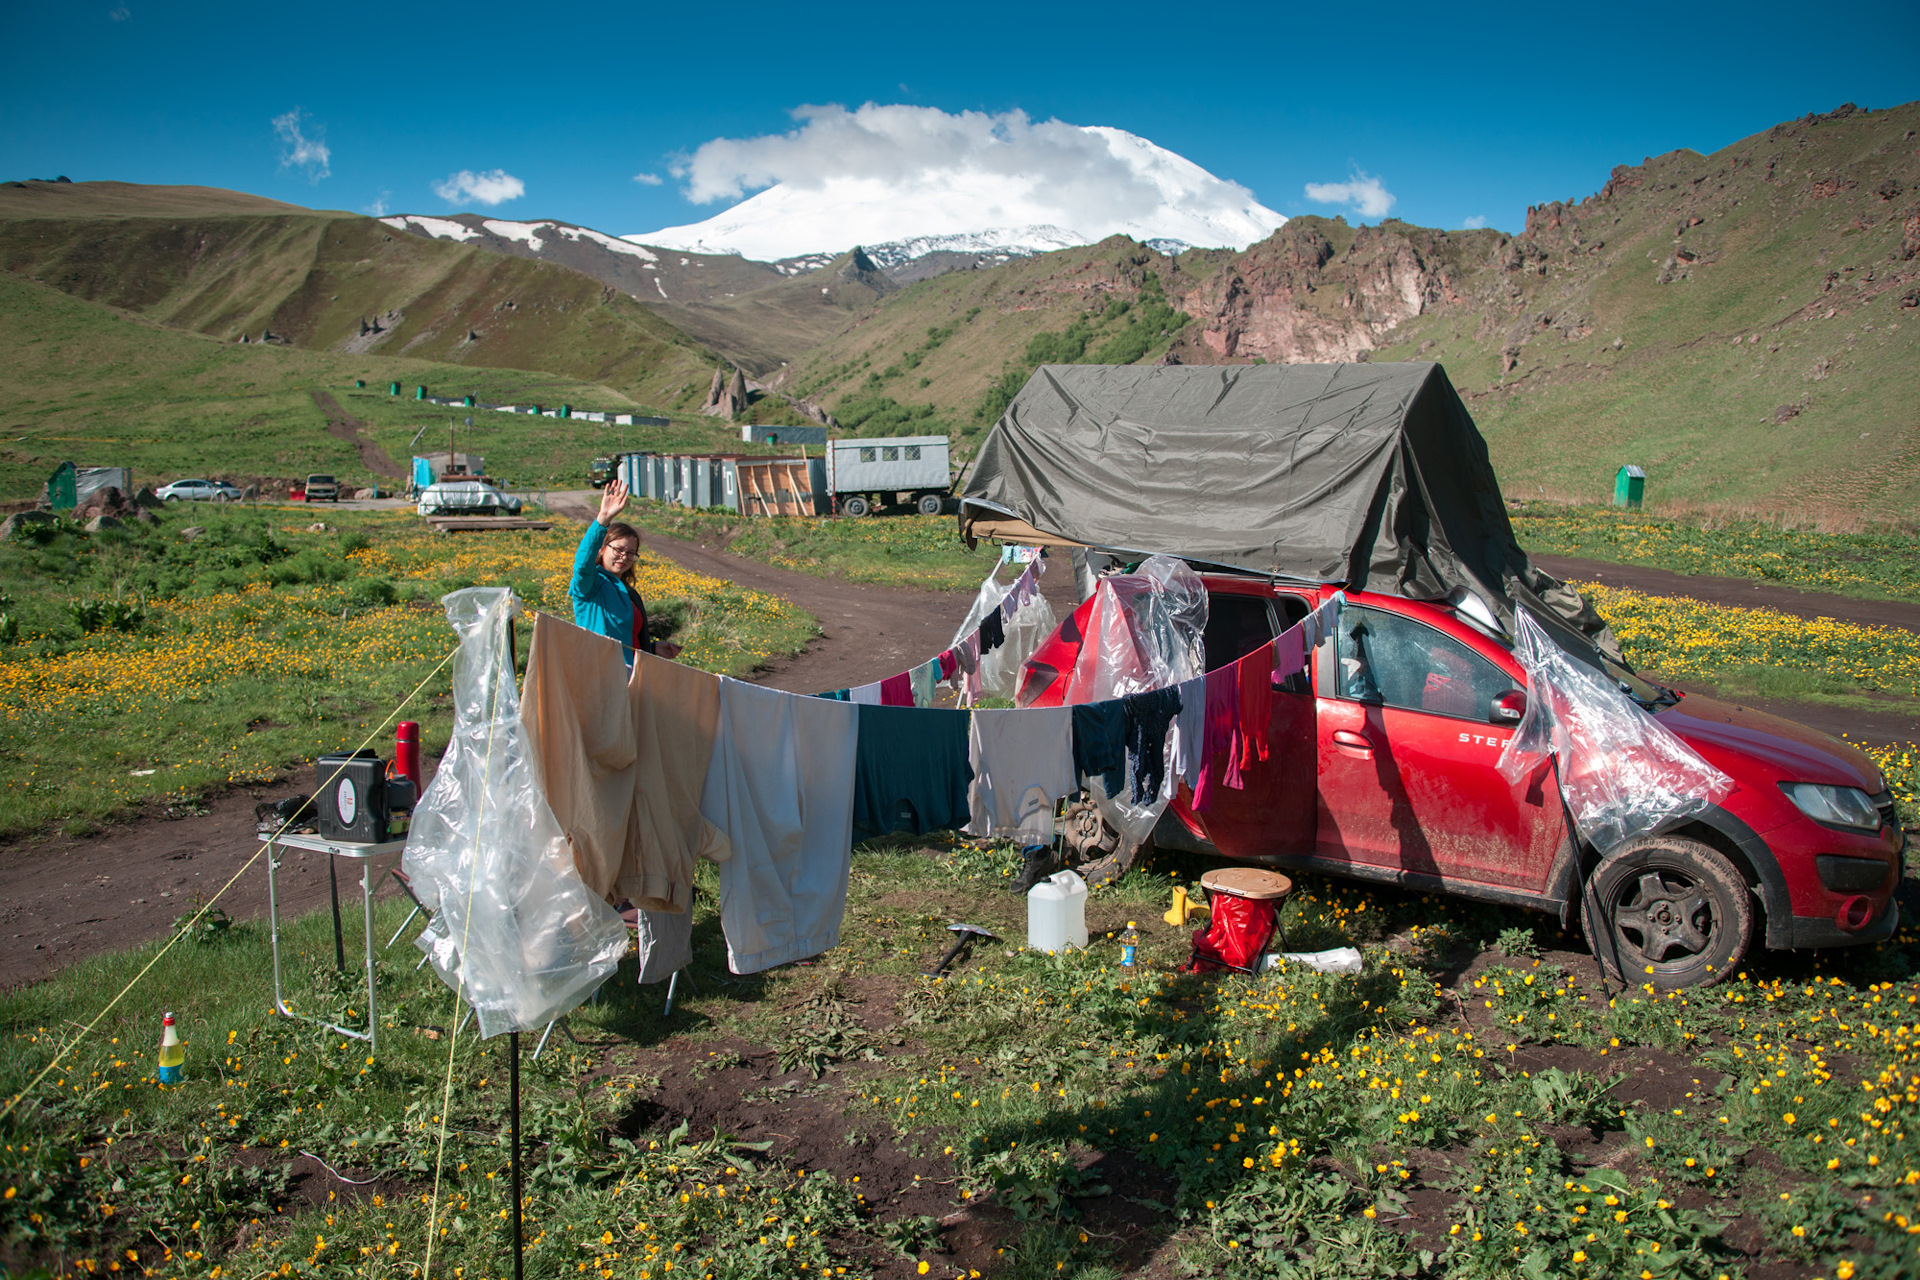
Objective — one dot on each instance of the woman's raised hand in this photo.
(613, 501)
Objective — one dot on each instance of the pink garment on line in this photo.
(1217, 744)
(1290, 652)
(897, 691)
(949, 663)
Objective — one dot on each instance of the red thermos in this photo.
(406, 751)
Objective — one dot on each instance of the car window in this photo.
(1398, 662)
(1236, 626)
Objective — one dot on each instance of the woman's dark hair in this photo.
(621, 529)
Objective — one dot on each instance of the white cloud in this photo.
(496, 186)
(378, 208)
(880, 173)
(647, 179)
(1362, 192)
(1476, 222)
(296, 149)
(119, 14)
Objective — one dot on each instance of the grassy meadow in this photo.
(140, 667)
(1474, 1104)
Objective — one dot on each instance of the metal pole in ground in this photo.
(513, 1103)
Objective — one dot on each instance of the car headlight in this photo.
(1838, 806)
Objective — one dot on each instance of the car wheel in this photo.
(223, 497)
(1669, 911)
(930, 504)
(855, 506)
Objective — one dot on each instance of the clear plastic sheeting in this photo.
(1134, 822)
(1140, 631)
(1030, 624)
(511, 926)
(1623, 773)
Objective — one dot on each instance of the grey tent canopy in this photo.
(1369, 475)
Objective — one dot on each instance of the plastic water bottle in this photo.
(173, 1057)
(1130, 948)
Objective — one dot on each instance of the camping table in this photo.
(366, 855)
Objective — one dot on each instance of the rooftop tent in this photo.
(1371, 475)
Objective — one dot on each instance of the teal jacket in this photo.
(601, 602)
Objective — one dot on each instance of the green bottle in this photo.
(172, 1056)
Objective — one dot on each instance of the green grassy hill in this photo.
(1743, 324)
(100, 386)
(319, 280)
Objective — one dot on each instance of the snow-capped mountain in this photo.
(1140, 190)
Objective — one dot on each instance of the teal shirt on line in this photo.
(601, 602)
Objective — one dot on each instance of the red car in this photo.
(1383, 767)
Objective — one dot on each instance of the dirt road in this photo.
(67, 898)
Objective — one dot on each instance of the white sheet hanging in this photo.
(1022, 763)
(781, 787)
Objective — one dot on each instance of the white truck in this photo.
(902, 471)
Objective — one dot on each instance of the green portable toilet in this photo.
(419, 393)
(61, 490)
(360, 382)
(1629, 487)
(393, 388)
(566, 411)
(535, 411)
(469, 402)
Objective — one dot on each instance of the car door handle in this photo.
(1351, 741)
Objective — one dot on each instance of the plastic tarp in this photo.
(1029, 625)
(1139, 631)
(1623, 774)
(511, 925)
(1371, 475)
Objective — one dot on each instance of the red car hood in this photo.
(1799, 752)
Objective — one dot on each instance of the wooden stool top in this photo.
(1247, 882)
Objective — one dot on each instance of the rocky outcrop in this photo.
(727, 398)
(1320, 291)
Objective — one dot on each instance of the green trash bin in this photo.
(393, 388)
(61, 488)
(1629, 487)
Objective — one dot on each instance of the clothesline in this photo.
(650, 770)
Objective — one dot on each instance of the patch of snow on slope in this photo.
(1166, 196)
(438, 228)
(528, 233)
(608, 243)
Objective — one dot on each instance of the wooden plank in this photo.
(480, 524)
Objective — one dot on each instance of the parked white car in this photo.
(198, 491)
(466, 498)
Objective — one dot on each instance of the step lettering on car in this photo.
(1487, 739)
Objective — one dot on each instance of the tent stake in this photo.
(513, 1102)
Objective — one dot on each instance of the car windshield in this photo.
(1652, 696)
(319, 479)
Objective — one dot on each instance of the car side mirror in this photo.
(1509, 707)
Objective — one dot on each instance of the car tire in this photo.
(856, 506)
(1668, 911)
(223, 497)
(931, 504)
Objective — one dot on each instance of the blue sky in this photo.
(1459, 113)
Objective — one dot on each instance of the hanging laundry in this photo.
(911, 770)
(662, 942)
(1223, 708)
(1189, 731)
(924, 678)
(897, 691)
(949, 662)
(1100, 743)
(1149, 716)
(676, 714)
(1290, 652)
(834, 695)
(993, 632)
(1256, 707)
(579, 723)
(1022, 765)
(867, 695)
(781, 787)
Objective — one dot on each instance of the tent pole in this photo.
(513, 1102)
